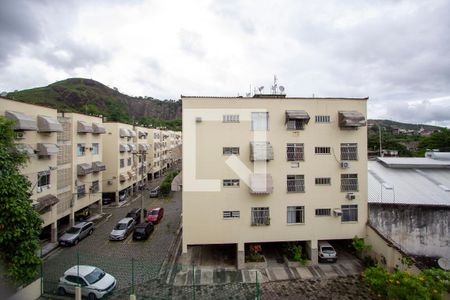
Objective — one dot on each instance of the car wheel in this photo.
(92, 296)
(61, 291)
(90, 232)
(75, 242)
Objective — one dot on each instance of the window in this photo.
(231, 118)
(231, 182)
(260, 121)
(94, 186)
(43, 178)
(230, 150)
(228, 214)
(323, 212)
(322, 150)
(95, 148)
(129, 161)
(260, 216)
(295, 183)
(295, 124)
(349, 151)
(323, 181)
(295, 152)
(322, 119)
(80, 149)
(81, 191)
(349, 213)
(296, 214)
(122, 163)
(349, 182)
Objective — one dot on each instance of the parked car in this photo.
(107, 200)
(135, 213)
(82, 214)
(143, 231)
(155, 192)
(94, 282)
(122, 197)
(155, 215)
(326, 252)
(76, 233)
(122, 229)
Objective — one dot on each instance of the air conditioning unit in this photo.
(350, 196)
(345, 165)
(20, 135)
(38, 189)
(198, 119)
(110, 182)
(337, 212)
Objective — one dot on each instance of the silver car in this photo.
(122, 229)
(76, 233)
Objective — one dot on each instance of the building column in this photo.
(240, 256)
(54, 232)
(117, 198)
(72, 217)
(312, 251)
(131, 189)
(100, 206)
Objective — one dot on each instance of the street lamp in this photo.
(142, 155)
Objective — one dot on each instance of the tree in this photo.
(438, 140)
(20, 224)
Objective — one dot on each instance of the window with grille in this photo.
(122, 163)
(349, 182)
(349, 213)
(80, 149)
(323, 211)
(95, 148)
(295, 183)
(295, 124)
(230, 118)
(322, 119)
(349, 151)
(295, 152)
(296, 214)
(81, 191)
(229, 214)
(260, 216)
(323, 180)
(43, 178)
(231, 182)
(129, 161)
(95, 186)
(260, 121)
(230, 150)
(322, 150)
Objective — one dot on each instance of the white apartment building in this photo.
(270, 168)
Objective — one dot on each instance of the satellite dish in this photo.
(260, 88)
(444, 263)
(281, 88)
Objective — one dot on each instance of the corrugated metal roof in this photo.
(408, 185)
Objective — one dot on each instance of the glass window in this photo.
(296, 214)
(129, 161)
(349, 151)
(322, 150)
(323, 212)
(95, 148)
(260, 216)
(260, 121)
(349, 213)
(323, 181)
(43, 178)
(295, 152)
(322, 119)
(231, 118)
(349, 182)
(295, 183)
(80, 149)
(231, 214)
(81, 191)
(231, 182)
(295, 124)
(95, 186)
(122, 163)
(230, 150)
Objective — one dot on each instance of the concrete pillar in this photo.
(54, 232)
(132, 297)
(72, 217)
(100, 206)
(77, 293)
(117, 198)
(131, 189)
(240, 256)
(311, 250)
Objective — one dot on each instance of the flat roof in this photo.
(274, 96)
(414, 162)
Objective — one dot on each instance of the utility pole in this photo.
(142, 180)
(381, 147)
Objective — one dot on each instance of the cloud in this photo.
(427, 111)
(191, 43)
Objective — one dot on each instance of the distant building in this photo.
(410, 145)
(390, 153)
(409, 202)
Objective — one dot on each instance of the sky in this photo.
(397, 53)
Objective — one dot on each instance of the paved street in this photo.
(116, 257)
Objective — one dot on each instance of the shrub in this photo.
(294, 253)
(359, 244)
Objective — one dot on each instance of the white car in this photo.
(122, 229)
(326, 252)
(94, 282)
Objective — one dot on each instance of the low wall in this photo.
(30, 292)
(386, 253)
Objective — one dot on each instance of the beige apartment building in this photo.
(272, 168)
(36, 130)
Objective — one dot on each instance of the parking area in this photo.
(122, 259)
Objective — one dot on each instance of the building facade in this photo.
(273, 169)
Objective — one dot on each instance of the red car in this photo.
(155, 215)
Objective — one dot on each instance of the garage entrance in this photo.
(218, 256)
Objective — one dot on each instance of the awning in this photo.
(261, 184)
(45, 202)
(142, 133)
(25, 148)
(48, 124)
(98, 166)
(132, 147)
(261, 151)
(132, 133)
(124, 148)
(143, 147)
(22, 121)
(297, 115)
(98, 129)
(84, 127)
(47, 149)
(122, 177)
(84, 169)
(123, 132)
(131, 174)
(351, 119)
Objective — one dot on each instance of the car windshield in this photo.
(121, 226)
(73, 230)
(154, 212)
(140, 230)
(328, 250)
(131, 215)
(95, 276)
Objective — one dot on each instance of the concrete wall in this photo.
(420, 230)
(386, 253)
(30, 292)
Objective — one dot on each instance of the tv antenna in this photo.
(260, 89)
(275, 85)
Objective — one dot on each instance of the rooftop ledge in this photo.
(271, 96)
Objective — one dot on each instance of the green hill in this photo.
(394, 124)
(92, 97)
